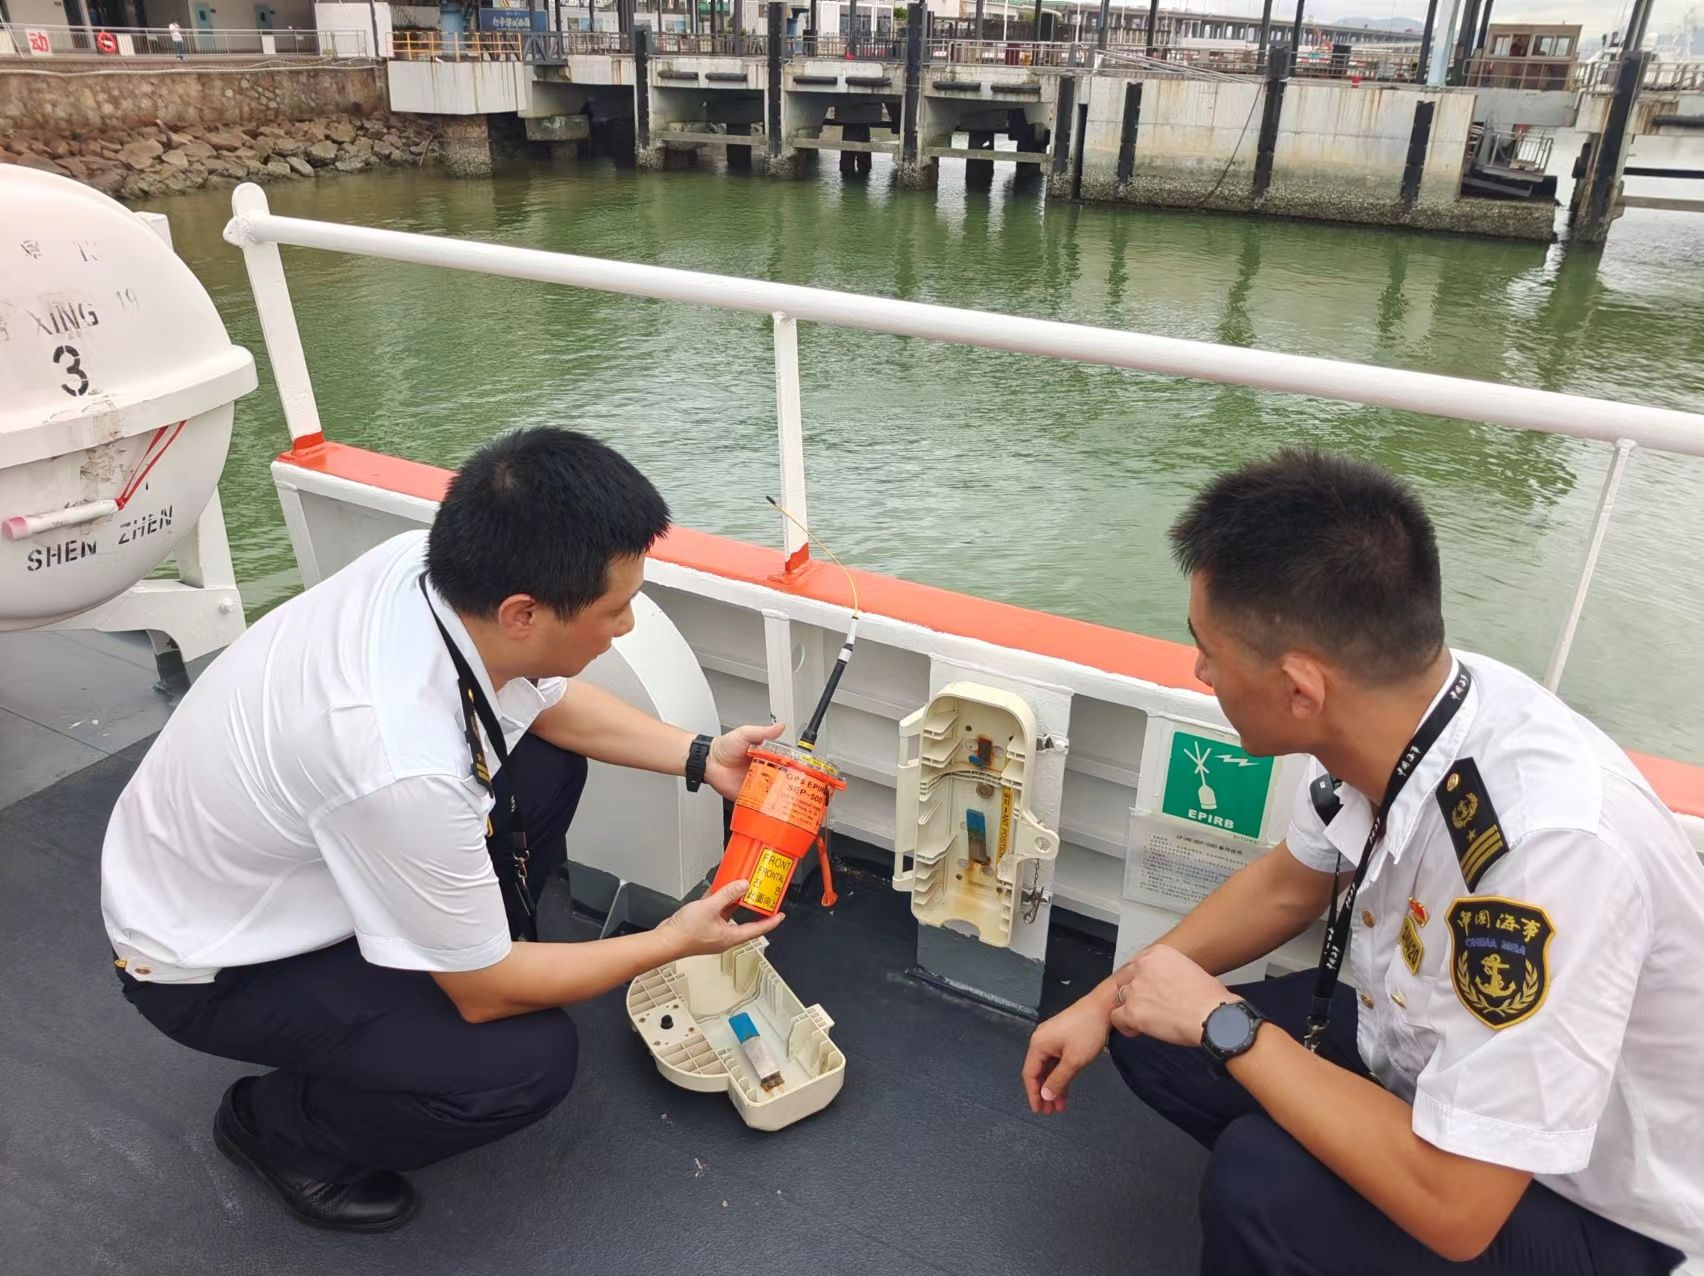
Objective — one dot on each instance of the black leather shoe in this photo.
(375, 1202)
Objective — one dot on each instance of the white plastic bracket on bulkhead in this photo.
(977, 853)
(683, 1013)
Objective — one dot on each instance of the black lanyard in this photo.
(476, 710)
(1341, 916)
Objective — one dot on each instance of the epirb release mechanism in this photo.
(980, 861)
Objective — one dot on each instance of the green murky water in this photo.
(1042, 484)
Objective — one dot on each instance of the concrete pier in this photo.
(1320, 150)
(783, 119)
(1329, 149)
(1597, 193)
(979, 174)
(466, 141)
(737, 153)
(855, 163)
(916, 169)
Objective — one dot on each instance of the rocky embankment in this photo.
(160, 160)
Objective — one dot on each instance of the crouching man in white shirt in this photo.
(323, 862)
(1509, 1086)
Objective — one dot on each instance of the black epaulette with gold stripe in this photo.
(1472, 821)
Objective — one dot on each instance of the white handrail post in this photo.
(790, 414)
(277, 318)
(1624, 450)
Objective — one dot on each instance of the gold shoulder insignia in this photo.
(1499, 958)
(1471, 820)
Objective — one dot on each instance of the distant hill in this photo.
(1408, 26)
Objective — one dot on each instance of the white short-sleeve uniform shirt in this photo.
(1528, 951)
(316, 784)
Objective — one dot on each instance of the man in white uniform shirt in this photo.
(323, 862)
(1511, 1085)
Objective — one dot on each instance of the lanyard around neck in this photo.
(476, 712)
(1340, 918)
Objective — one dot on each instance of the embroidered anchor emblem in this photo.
(1500, 965)
(1495, 987)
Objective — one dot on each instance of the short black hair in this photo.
(1311, 549)
(541, 511)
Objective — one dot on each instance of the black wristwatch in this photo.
(1229, 1031)
(696, 758)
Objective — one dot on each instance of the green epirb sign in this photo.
(1217, 784)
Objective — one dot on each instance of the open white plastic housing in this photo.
(978, 854)
(681, 1012)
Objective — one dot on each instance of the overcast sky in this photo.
(1592, 14)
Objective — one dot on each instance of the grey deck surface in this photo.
(927, 1162)
(69, 699)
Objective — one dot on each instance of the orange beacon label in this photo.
(786, 793)
(769, 880)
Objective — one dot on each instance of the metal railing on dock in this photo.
(1011, 53)
(559, 46)
(1133, 62)
(1517, 148)
(1173, 60)
(725, 45)
(880, 49)
(545, 47)
(862, 48)
(1372, 65)
(554, 46)
(1682, 76)
(35, 40)
(1369, 67)
(1535, 74)
(459, 46)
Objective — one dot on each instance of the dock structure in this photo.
(1281, 132)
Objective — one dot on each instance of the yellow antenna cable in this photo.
(835, 558)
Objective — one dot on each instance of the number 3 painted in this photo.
(74, 369)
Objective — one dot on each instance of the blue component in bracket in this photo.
(976, 835)
(744, 1028)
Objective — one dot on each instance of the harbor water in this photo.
(1044, 484)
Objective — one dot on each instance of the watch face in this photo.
(1228, 1028)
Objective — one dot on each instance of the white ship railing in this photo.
(259, 232)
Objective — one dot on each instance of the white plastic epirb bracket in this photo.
(978, 855)
(682, 1010)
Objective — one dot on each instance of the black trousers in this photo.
(1269, 1207)
(374, 1068)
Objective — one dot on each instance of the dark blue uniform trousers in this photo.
(1268, 1208)
(374, 1068)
